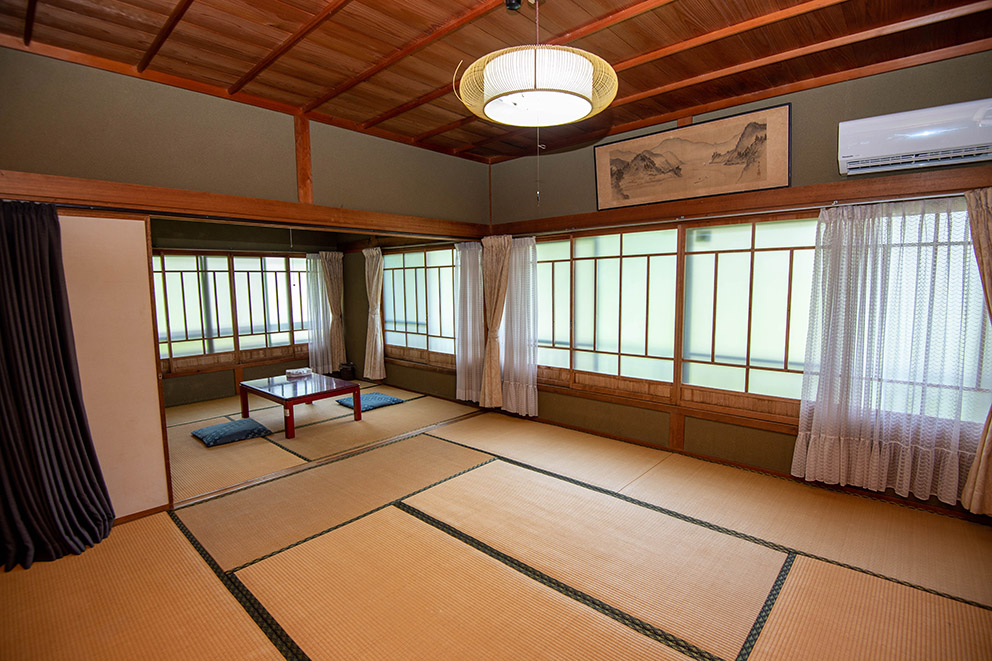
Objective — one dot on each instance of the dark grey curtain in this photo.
(53, 500)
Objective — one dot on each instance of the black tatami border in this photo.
(717, 528)
(766, 609)
(635, 623)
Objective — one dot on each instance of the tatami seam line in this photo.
(351, 452)
(258, 613)
(718, 528)
(630, 621)
(360, 516)
(766, 609)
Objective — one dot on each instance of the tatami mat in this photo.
(343, 433)
(248, 524)
(601, 461)
(391, 587)
(197, 469)
(832, 613)
(181, 415)
(143, 593)
(938, 552)
(703, 586)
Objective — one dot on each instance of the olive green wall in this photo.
(743, 445)
(67, 119)
(357, 171)
(569, 180)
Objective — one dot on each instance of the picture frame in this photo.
(745, 152)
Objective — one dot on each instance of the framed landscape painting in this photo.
(729, 155)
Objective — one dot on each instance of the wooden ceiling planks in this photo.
(385, 66)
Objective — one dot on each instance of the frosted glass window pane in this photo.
(723, 237)
(650, 243)
(191, 301)
(216, 263)
(275, 263)
(713, 376)
(802, 283)
(160, 320)
(655, 369)
(298, 264)
(633, 292)
(221, 344)
(156, 262)
(785, 234)
(244, 263)
(562, 295)
(768, 308)
(421, 300)
(191, 348)
(698, 318)
(606, 245)
(180, 263)
(584, 311)
(588, 361)
(396, 339)
(392, 261)
(732, 294)
(447, 302)
(661, 307)
(608, 305)
(410, 287)
(547, 250)
(433, 303)
(163, 350)
(413, 259)
(776, 384)
(251, 341)
(278, 339)
(416, 341)
(388, 302)
(222, 293)
(301, 336)
(441, 344)
(545, 309)
(552, 357)
(439, 257)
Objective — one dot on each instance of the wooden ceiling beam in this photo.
(29, 21)
(583, 30)
(847, 40)
(451, 126)
(427, 38)
(170, 24)
(678, 47)
(329, 10)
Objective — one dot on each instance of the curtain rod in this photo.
(741, 214)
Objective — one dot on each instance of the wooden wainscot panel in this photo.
(203, 363)
(773, 408)
(637, 388)
(267, 353)
(559, 376)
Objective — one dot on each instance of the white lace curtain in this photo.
(520, 335)
(470, 325)
(333, 270)
(895, 389)
(375, 363)
(319, 327)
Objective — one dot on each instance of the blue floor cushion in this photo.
(228, 432)
(370, 400)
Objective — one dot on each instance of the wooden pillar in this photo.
(684, 121)
(304, 168)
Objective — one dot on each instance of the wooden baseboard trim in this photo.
(140, 515)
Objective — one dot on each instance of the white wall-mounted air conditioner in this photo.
(945, 135)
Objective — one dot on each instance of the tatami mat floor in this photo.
(495, 537)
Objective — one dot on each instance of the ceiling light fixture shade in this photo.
(538, 85)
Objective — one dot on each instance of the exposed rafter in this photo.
(818, 47)
(29, 21)
(170, 24)
(420, 42)
(583, 30)
(329, 10)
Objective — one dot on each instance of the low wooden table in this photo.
(299, 390)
